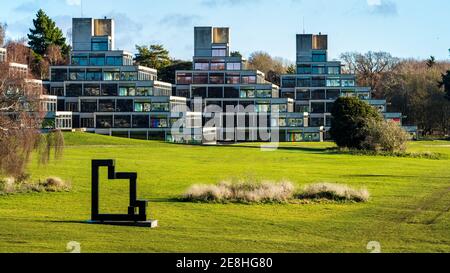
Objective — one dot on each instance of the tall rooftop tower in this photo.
(93, 34)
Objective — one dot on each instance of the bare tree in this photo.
(20, 122)
(272, 67)
(369, 67)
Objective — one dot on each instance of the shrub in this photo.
(349, 124)
(243, 192)
(386, 136)
(51, 184)
(335, 192)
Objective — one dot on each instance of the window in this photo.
(93, 75)
(199, 92)
(111, 76)
(233, 66)
(144, 91)
(318, 94)
(329, 107)
(219, 52)
(218, 66)
(87, 123)
(141, 121)
(318, 82)
(92, 90)
(57, 91)
(303, 94)
(106, 106)
(318, 69)
(77, 74)
(72, 106)
(334, 70)
(99, 46)
(215, 92)
(80, 60)
(73, 90)
(262, 107)
(200, 78)
(184, 78)
(247, 92)
(216, 78)
(109, 90)
(97, 60)
(158, 122)
(160, 107)
(104, 121)
(127, 91)
(201, 66)
(318, 107)
(264, 93)
(124, 106)
(88, 106)
(231, 92)
(333, 82)
(317, 122)
(288, 82)
(122, 121)
(59, 75)
(300, 108)
(303, 82)
(364, 95)
(348, 83)
(311, 136)
(333, 94)
(304, 69)
(319, 57)
(142, 106)
(295, 122)
(281, 108)
(128, 76)
(248, 79)
(233, 78)
(114, 60)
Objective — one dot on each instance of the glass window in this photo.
(303, 69)
(122, 121)
(262, 107)
(329, 107)
(124, 106)
(218, 66)
(247, 92)
(201, 66)
(264, 93)
(184, 78)
(333, 82)
(59, 74)
(77, 75)
(144, 91)
(93, 75)
(114, 60)
(142, 106)
(288, 82)
(231, 92)
(233, 66)
(80, 60)
(319, 57)
(295, 122)
(300, 108)
(128, 76)
(104, 121)
(88, 106)
(318, 82)
(334, 70)
(318, 107)
(200, 78)
(141, 121)
(73, 90)
(219, 52)
(303, 82)
(215, 92)
(97, 60)
(111, 76)
(109, 90)
(333, 94)
(127, 91)
(248, 79)
(319, 69)
(303, 94)
(199, 92)
(99, 45)
(160, 107)
(233, 78)
(91, 90)
(106, 105)
(216, 78)
(318, 94)
(348, 83)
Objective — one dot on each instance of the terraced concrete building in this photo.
(103, 92)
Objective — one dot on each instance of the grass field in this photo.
(408, 212)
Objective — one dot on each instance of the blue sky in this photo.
(406, 28)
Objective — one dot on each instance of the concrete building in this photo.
(319, 82)
(223, 83)
(2, 54)
(103, 92)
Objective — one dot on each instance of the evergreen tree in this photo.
(46, 33)
(154, 56)
(446, 84)
(431, 62)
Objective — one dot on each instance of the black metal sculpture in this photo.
(137, 211)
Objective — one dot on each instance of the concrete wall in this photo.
(82, 31)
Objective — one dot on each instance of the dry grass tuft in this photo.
(241, 192)
(51, 184)
(335, 192)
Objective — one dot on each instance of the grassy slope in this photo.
(408, 211)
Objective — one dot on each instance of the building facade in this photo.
(103, 92)
(240, 102)
(319, 82)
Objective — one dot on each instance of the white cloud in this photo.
(73, 2)
(374, 2)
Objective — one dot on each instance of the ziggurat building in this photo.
(102, 91)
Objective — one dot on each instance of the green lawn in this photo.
(408, 212)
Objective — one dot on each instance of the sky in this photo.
(405, 28)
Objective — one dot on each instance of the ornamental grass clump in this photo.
(333, 192)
